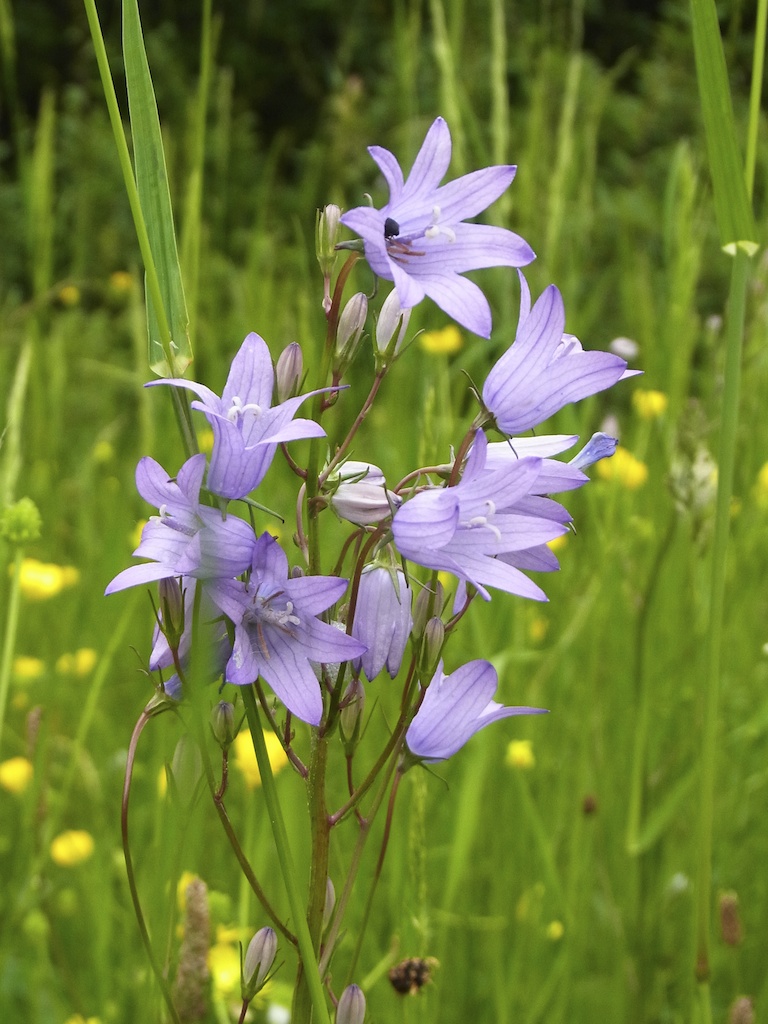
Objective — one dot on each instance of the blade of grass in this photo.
(155, 199)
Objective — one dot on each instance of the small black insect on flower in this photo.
(391, 228)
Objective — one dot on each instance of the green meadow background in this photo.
(553, 882)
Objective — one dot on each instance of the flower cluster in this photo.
(232, 609)
(489, 528)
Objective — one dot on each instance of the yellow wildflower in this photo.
(135, 536)
(81, 663)
(446, 341)
(520, 754)
(78, 1018)
(69, 295)
(205, 440)
(103, 453)
(555, 931)
(26, 668)
(224, 965)
(71, 848)
(40, 580)
(185, 880)
(761, 487)
(245, 758)
(624, 468)
(538, 628)
(649, 405)
(120, 281)
(16, 774)
(558, 543)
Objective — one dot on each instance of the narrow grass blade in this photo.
(735, 220)
(155, 199)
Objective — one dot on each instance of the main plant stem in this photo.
(318, 878)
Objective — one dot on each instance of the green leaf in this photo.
(735, 219)
(155, 200)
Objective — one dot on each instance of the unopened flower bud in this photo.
(326, 234)
(330, 903)
(351, 1008)
(223, 723)
(258, 961)
(350, 330)
(434, 638)
(288, 372)
(425, 600)
(351, 715)
(360, 494)
(391, 327)
(171, 610)
(21, 523)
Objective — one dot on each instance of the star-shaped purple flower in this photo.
(186, 538)
(454, 708)
(246, 428)
(419, 239)
(277, 632)
(544, 369)
(473, 529)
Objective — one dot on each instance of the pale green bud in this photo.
(21, 523)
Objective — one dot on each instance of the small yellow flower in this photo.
(40, 580)
(71, 848)
(16, 774)
(224, 965)
(185, 880)
(78, 1018)
(761, 487)
(121, 281)
(103, 453)
(624, 468)
(69, 295)
(538, 629)
(205, 440)
(558, 543)
(162, 782)
(649, 405)
(245, 758)
(520, 754)
(81, 663)
(135, 535)
(555, 931)
(445, 342)
(26, 668)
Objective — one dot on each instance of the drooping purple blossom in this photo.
(246, 427)
(555, 476)
(473, 529)
(186, 538)
(454, 708)
(277, 632)
(419, 239)
(382, 619)
(544, 369)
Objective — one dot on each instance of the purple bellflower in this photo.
(454, 708)
(419, 239)
(474, 528)
(277, 632)
(544, 369)
(555, 476)
(186, 538)
(382, 619)
(246, 428)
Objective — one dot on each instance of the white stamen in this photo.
(238, 410)
(435, 228)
